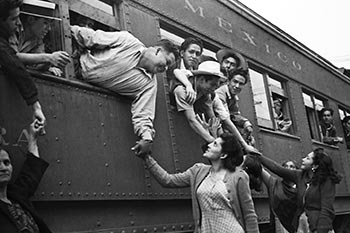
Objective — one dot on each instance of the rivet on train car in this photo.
(147, 176)
(60, 183)
(155, 229)
(164, 229)
(78, 194)
(51, 193)
(132, 223)
(54, 116)
(42, 193)
(106, 164)
(134, 231)
(98, 223)
(108, 184)
(56, 138)
(148, 185)
(124, 194)
(109, 194)
(86, 194)
(102, 124)
(69, 183)
(182, 227)
(104, 144)
(130, 194)
(52, 94)
(61, 193)
(70, 194)
(123, 231)
(173, 227)
(58, 161)
(100, 104)
(136, 194)
(142, 194)
(94, 194)
(144, 230)
(102, 194)
(117, 194)
(190, 226)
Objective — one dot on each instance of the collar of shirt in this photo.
(143, 70)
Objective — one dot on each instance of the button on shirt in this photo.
(110, 60)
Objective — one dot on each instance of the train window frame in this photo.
(313, 107)
(275, 88)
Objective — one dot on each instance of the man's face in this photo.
(228, 65)
(236, 83)
(208, 86)
(327, 117)
(13, 22)
(40, 27)
(159, 60)
(191, 56)
(347, 124)
(5, 167)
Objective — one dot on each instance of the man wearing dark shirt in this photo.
(10, 66)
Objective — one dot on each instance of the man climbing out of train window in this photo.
(28, 42)
(235, 69)
(118, 61)
(10, 65)
(205, 80)
(190, 52)
(17, 213)
(327, 127)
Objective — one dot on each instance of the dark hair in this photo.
(327, 109)
(170, 47)
(242, 72)
(345, 119)
(233, 149)
(241, 61)
(253, 168)
(191, 40)
(6, 6)
(325, 168)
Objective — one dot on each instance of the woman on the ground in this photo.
(221, 197)
(315, 189)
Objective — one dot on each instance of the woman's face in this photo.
(307, 162)
(214, 150)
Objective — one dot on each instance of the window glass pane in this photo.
(260, 99)
(100, 5)
(274, 82)
(308, 101)
(342, 113)
(319, 104)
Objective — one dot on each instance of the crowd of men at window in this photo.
(203, 88)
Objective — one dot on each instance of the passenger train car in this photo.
(95, 183)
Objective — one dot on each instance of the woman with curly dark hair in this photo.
(315, 190)
(221, 197)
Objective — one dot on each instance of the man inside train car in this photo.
(28, 42)
(205, 80)
(10, 65)
(190, 52)
(346, 128)
(17, 213)
(328, 130)
(235, 69)
(118, 61)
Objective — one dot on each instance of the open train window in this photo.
(313, 107)
(345, 118)
(271, 101)
(165, 34)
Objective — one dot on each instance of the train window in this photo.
(270, 101)
(178, 40)
(104, 6)
(313, 107)
(343, 113)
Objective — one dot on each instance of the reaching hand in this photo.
(191, 95)
(59, 59)
(56, 71)
(142, 148)
(39, 116)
